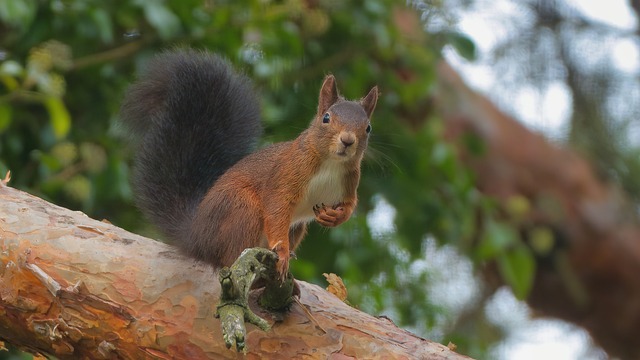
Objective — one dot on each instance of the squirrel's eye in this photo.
(368, 130)
(325, 118)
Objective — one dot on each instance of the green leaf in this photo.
(78, 188)
(5, 117)
(60, 118)
(474, 144)
(496, 239)
(517, 267)
(162, 19)
(463, 46)
(19, 13)
(541, 240)
(103, 23)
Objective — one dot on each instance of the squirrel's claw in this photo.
(282, 267)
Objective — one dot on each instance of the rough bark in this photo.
(78, 288)
(591, 276)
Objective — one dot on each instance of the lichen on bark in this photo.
(237, 281)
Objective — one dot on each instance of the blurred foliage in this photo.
(65, 65)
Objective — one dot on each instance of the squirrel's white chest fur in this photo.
(325, 187)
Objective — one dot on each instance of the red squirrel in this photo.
(197, 175)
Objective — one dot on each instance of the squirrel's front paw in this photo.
(329, 216)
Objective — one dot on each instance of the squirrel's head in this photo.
(343, 125)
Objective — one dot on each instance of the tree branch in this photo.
(590, 275)
(78, 288)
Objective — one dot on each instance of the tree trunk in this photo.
(591, 275)
(78, 288)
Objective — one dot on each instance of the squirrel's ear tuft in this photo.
(328, 94)
(369, 102)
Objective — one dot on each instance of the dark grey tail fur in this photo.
(192, 117)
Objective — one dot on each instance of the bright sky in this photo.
(613, 12)
(486, 23)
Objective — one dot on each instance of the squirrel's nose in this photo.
(347, 139)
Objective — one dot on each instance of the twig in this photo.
(109, 55)
(308, 313)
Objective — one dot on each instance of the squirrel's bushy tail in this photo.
(191, 117)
